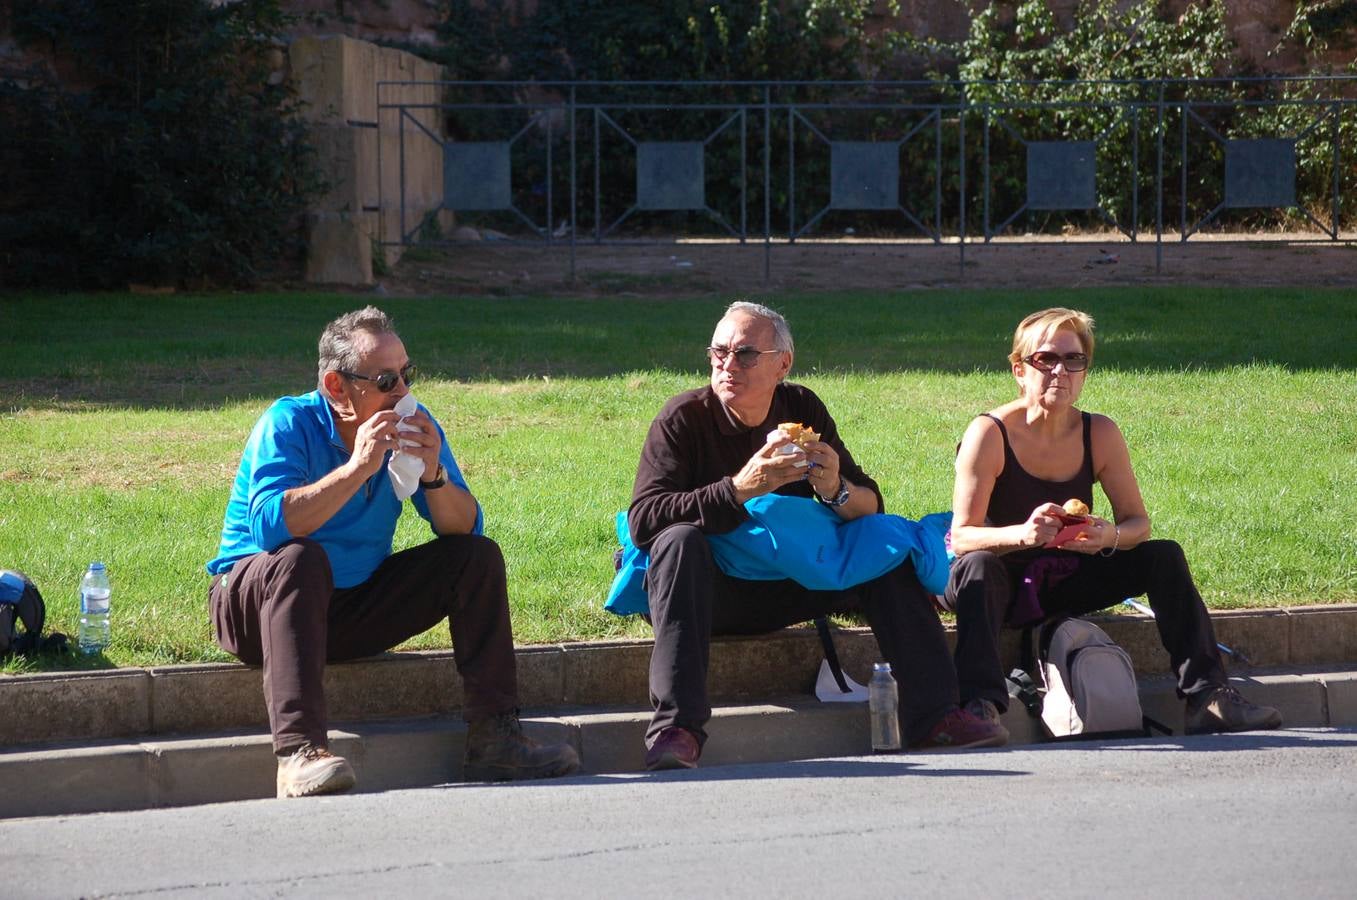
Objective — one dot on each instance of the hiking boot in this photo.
(674, 748)
(960, 729)
(1224, 709)
(498, 750)
(311, 770)
(985, 711)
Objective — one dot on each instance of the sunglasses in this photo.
(745, 357)
(1047, 360)
(386, 382)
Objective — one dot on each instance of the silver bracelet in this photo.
(1116, 542)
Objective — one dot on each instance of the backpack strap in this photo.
(1021, 686)
(831, 654)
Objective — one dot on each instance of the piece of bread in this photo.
(798, 434)
(1076, 507)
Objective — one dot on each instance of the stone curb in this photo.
(71, 778)
(195, 699)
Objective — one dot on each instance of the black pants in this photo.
(280, 610)
(982, 586)
(691, 600)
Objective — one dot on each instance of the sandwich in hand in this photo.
(1074, 518)
(798, 433)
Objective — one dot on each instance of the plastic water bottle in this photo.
(883, 700)
(95, 600)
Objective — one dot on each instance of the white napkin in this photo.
(405, 468)
(777, 434)
(827, 689)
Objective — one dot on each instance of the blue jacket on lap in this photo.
(805, 541)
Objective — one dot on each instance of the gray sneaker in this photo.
(498, 750)
(1223, 709)
(313, 770)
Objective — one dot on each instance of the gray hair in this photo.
(337, 351)
(782, 332)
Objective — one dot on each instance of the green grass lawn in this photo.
(124, 417)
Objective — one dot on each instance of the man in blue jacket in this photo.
(305, 574)
(708, 452)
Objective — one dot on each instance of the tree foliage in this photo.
(173, 160)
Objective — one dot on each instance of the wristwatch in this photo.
(841, 497)
(440, 478)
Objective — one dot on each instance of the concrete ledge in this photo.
(195, 699)
(58, 779)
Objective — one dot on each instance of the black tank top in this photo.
(1017, 492)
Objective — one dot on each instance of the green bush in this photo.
(168, 157)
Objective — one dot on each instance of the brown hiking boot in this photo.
(498, 750)
(311, 770)
(1224, 709)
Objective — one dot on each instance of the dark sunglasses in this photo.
(386, 382)
(745, 357)
(1048, 360)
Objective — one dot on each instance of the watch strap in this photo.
(440, 478)
(842, 496)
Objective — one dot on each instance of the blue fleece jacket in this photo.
(296, 443)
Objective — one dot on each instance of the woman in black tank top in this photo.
(1021, 559)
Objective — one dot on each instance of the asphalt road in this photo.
(1258, 815)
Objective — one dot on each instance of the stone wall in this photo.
(337, 79)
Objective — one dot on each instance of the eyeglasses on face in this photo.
(745, 357)
(1047, 360)
(386, 381)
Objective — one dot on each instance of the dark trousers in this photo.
(691, 600)
(982, 586)
(280, 610)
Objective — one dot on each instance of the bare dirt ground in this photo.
(690, 268)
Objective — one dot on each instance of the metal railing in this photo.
(629, 163)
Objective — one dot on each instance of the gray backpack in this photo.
(1088, 686)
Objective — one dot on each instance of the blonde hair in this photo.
(1034, 329)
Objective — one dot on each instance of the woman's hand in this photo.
(1099, 534)
(1041, 526)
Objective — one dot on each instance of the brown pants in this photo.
(280, 610)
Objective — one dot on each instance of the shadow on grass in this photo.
(118, 350)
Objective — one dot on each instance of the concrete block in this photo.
(393, 685)
(857, 650)
(793, 729)
(1139, 636)
(608, 674)
(771, 665)
(60, 780)
(1300, 698)
(1323, 634)
(1262, 636)
(541, 676)
(84, 705)
(213, 770)
(338, 250)
(1341, 697)
(612, 741)
(199, 698)
(395, 755)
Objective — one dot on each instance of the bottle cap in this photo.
(96, 565)
(881, 667)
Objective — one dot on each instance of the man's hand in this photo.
(823, 473)
(425, 440)
(374, 438)
(768, 470)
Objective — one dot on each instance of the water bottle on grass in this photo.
(883, 701)
(95, 600)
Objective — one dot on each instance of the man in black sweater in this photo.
(710, 450)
